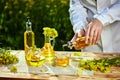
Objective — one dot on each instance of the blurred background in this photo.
(43, 13)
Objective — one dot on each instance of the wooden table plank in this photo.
(113, 75)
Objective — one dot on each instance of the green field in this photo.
(43, 13)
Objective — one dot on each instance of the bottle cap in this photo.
(28, 23)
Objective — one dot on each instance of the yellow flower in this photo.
(47, 31)
(50, 32)
(13, 69)
(54, 33)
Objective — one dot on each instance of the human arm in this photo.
(78, 17)
(102, 19)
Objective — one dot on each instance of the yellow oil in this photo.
(33, 60)
(48, 52)
(62, 61)
(28, 40)
(80, 42)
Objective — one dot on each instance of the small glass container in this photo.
(61, 59)
(34, 58)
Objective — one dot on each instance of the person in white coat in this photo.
(99, 21)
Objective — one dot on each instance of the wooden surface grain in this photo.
(114, 74)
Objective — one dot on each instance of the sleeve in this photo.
(110, 14)
(78, 15)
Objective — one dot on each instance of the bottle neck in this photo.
(47, 39)
(28, 28)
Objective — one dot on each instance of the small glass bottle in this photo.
(28, 36)
(80, 42)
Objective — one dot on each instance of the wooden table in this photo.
(26, 72)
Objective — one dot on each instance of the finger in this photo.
(82, 33)
(79, 34)
(99, 33)
(74, 37)
(99, 36)
(87, 32)
(91, 33)
(95, 37)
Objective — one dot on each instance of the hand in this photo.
(78, 34)
(93, 32)
(76, 37)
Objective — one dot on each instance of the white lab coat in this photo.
(108, 12)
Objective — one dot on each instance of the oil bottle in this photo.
(28, 36)
(32, 53)
(80, 42)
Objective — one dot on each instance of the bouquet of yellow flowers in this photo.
(50, 32)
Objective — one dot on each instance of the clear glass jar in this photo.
(34, 57)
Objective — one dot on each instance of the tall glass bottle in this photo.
(28, 36)
(32, 53)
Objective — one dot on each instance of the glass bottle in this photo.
(48, 50)
(80, 42)
(28, 36)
